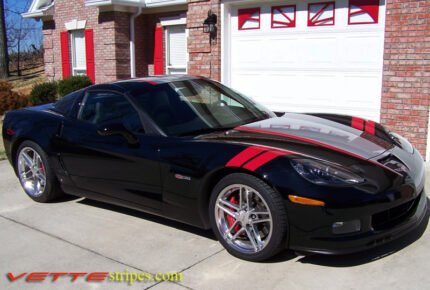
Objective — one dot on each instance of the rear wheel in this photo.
(35, 174)
(248, 217)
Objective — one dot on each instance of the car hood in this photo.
(317, 132)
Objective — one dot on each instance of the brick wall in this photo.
(204, 58)
(406, 80)
(111, 44)
(145, 27)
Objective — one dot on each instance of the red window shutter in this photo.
(65, 55)
(158, 51)
(89, 50)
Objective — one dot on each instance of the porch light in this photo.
(209, 25)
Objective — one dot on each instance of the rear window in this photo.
(65, 105)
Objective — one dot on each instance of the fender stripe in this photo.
(357, 123)
(264, 158)
(245, 155)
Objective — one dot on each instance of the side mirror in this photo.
(118, 130)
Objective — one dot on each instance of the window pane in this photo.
(79, 61)
(177, 46)
(103, 109)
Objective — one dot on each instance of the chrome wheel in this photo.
(243, 218)
(31, 171)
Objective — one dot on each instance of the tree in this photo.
(4, 63)
(16, 33)
(23, 35)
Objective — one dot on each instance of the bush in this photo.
(72, 84)
(10, 100)
(44, 93)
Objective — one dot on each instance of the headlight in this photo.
(323, 173)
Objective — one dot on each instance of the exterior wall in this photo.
(406, 80)
(111, 40)
(204, 57)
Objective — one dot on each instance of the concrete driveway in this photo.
(82, 235)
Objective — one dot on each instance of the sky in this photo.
(31, 29)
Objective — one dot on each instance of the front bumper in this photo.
(314, 234)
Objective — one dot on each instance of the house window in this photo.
(249, 18)
(78, 53)
(176, 49)
(363, 12)
(284, 16)
(321, 14)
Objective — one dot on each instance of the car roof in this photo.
(139, 83)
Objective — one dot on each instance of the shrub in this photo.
(44, 93)
(10, 100)
(72, 84)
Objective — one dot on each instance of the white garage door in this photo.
(307, 56)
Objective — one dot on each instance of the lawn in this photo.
(30, 76)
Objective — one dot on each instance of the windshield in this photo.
(193, 107)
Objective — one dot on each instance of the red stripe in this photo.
(310, 141)
(370, 127)
(357, 123)
(263, 159)
(244, 156)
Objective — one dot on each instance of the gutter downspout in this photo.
(132, 42)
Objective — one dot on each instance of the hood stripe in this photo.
(363, 125)
(242, 157)
(370, 127)
(357, 123)
(310, 141)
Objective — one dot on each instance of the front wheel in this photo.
(34, 173)
(248, 217)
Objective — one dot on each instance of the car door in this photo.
(105, 150)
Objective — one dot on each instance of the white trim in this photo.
(75, 24)
(159, 3)
(428, 139)
(174, 20)
(132, 42)
(225, 42)
(35, 12)
(135, 3)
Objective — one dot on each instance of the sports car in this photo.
(193, 150)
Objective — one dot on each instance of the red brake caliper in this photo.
(230, 220)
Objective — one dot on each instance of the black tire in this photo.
(52, 188)
(275, 203)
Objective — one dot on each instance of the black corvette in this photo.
(193, 150)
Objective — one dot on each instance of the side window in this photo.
(107, 108)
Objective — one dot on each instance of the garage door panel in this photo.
(317, 51)
(276, 53)
(363, 51)
(246, 52)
